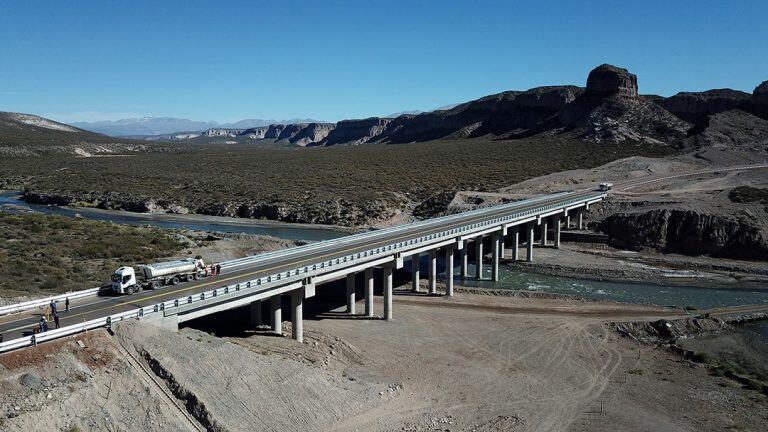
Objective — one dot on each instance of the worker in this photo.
(66, 305)
(53, 306)
(218, 269)
(43, 324)
(56, 319)
(213, 269)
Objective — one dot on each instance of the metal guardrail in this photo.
(286, 277)
(32, 304)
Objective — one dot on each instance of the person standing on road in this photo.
(43, 324)
(56, 319)
(53, 307)
(66, 305)
(218, 269)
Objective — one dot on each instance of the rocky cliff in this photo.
(695, 106)
(688, 232)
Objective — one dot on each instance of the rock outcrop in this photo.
(695, 106)
(687, 232)
(759, 100)
(611, 80)
(356, 131)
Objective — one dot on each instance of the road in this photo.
(88, 308)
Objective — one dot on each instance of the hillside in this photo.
(30, 135)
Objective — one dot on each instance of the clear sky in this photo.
(330, 60)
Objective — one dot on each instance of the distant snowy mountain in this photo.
(168, 125)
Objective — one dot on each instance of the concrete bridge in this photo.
(260, 281)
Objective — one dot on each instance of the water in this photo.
(622, 292)
(8, 201)
(639, 293)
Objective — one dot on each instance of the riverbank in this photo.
(603, 263)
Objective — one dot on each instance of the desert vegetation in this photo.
(51, 254)
(342, 185)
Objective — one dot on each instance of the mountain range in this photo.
(146, 126)
(609, 109)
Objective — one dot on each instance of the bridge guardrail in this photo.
(285, 277)
(32, 304)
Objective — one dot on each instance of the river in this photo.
(674, 296)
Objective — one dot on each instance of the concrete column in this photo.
(501, 242)
(581, 219)
(415, 272)
(449, 271)
(464, 257)
(275, 306)
(496, 240)
(543, 232)
(557, 231)
(256, 313)
(529, 258)
(387, 273)
(568, 221)
(369, 292)
(516, 243)
(479, 257)
(433, 271)
(351, 293)
(297, 314)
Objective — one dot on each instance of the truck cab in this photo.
(605, 186)
(124, 281)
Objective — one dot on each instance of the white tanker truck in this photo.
(128, 280)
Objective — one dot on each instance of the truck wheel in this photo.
(195, 276)
(174, 280)
(131, 290)
(155, 285)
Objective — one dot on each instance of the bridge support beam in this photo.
(297, 315)
(369, 292)
(433, 271)
(479, 257)
(449, 271)
(502, 242)
(351, 293)
(529, 257)
(556, 220)
(515, 243)
(387, 276)
(276, 308)
(581, 220)
(464, 257)
(543, 232)
(256, 313)
(415, 274)
(568, 221)
(495, 253)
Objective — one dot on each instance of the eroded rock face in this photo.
(760, 95)
(357, 131)
(608, 79)
(688, 232)
(693, 106)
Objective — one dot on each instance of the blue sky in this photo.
(330, 60)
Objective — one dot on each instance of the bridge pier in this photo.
(479, 257)
(256, 313)
(557, 231)
(581, 219)
(464, 257)
(351, 293)
(415, 276)
(369, 292)
(543, 232)
(297, 315)
(516, 243)
(449, 271)
(502, 241)
(529, 257)
(495, 253)
(387, 276)
(432, 271)
(567, 221)
(276, 308)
